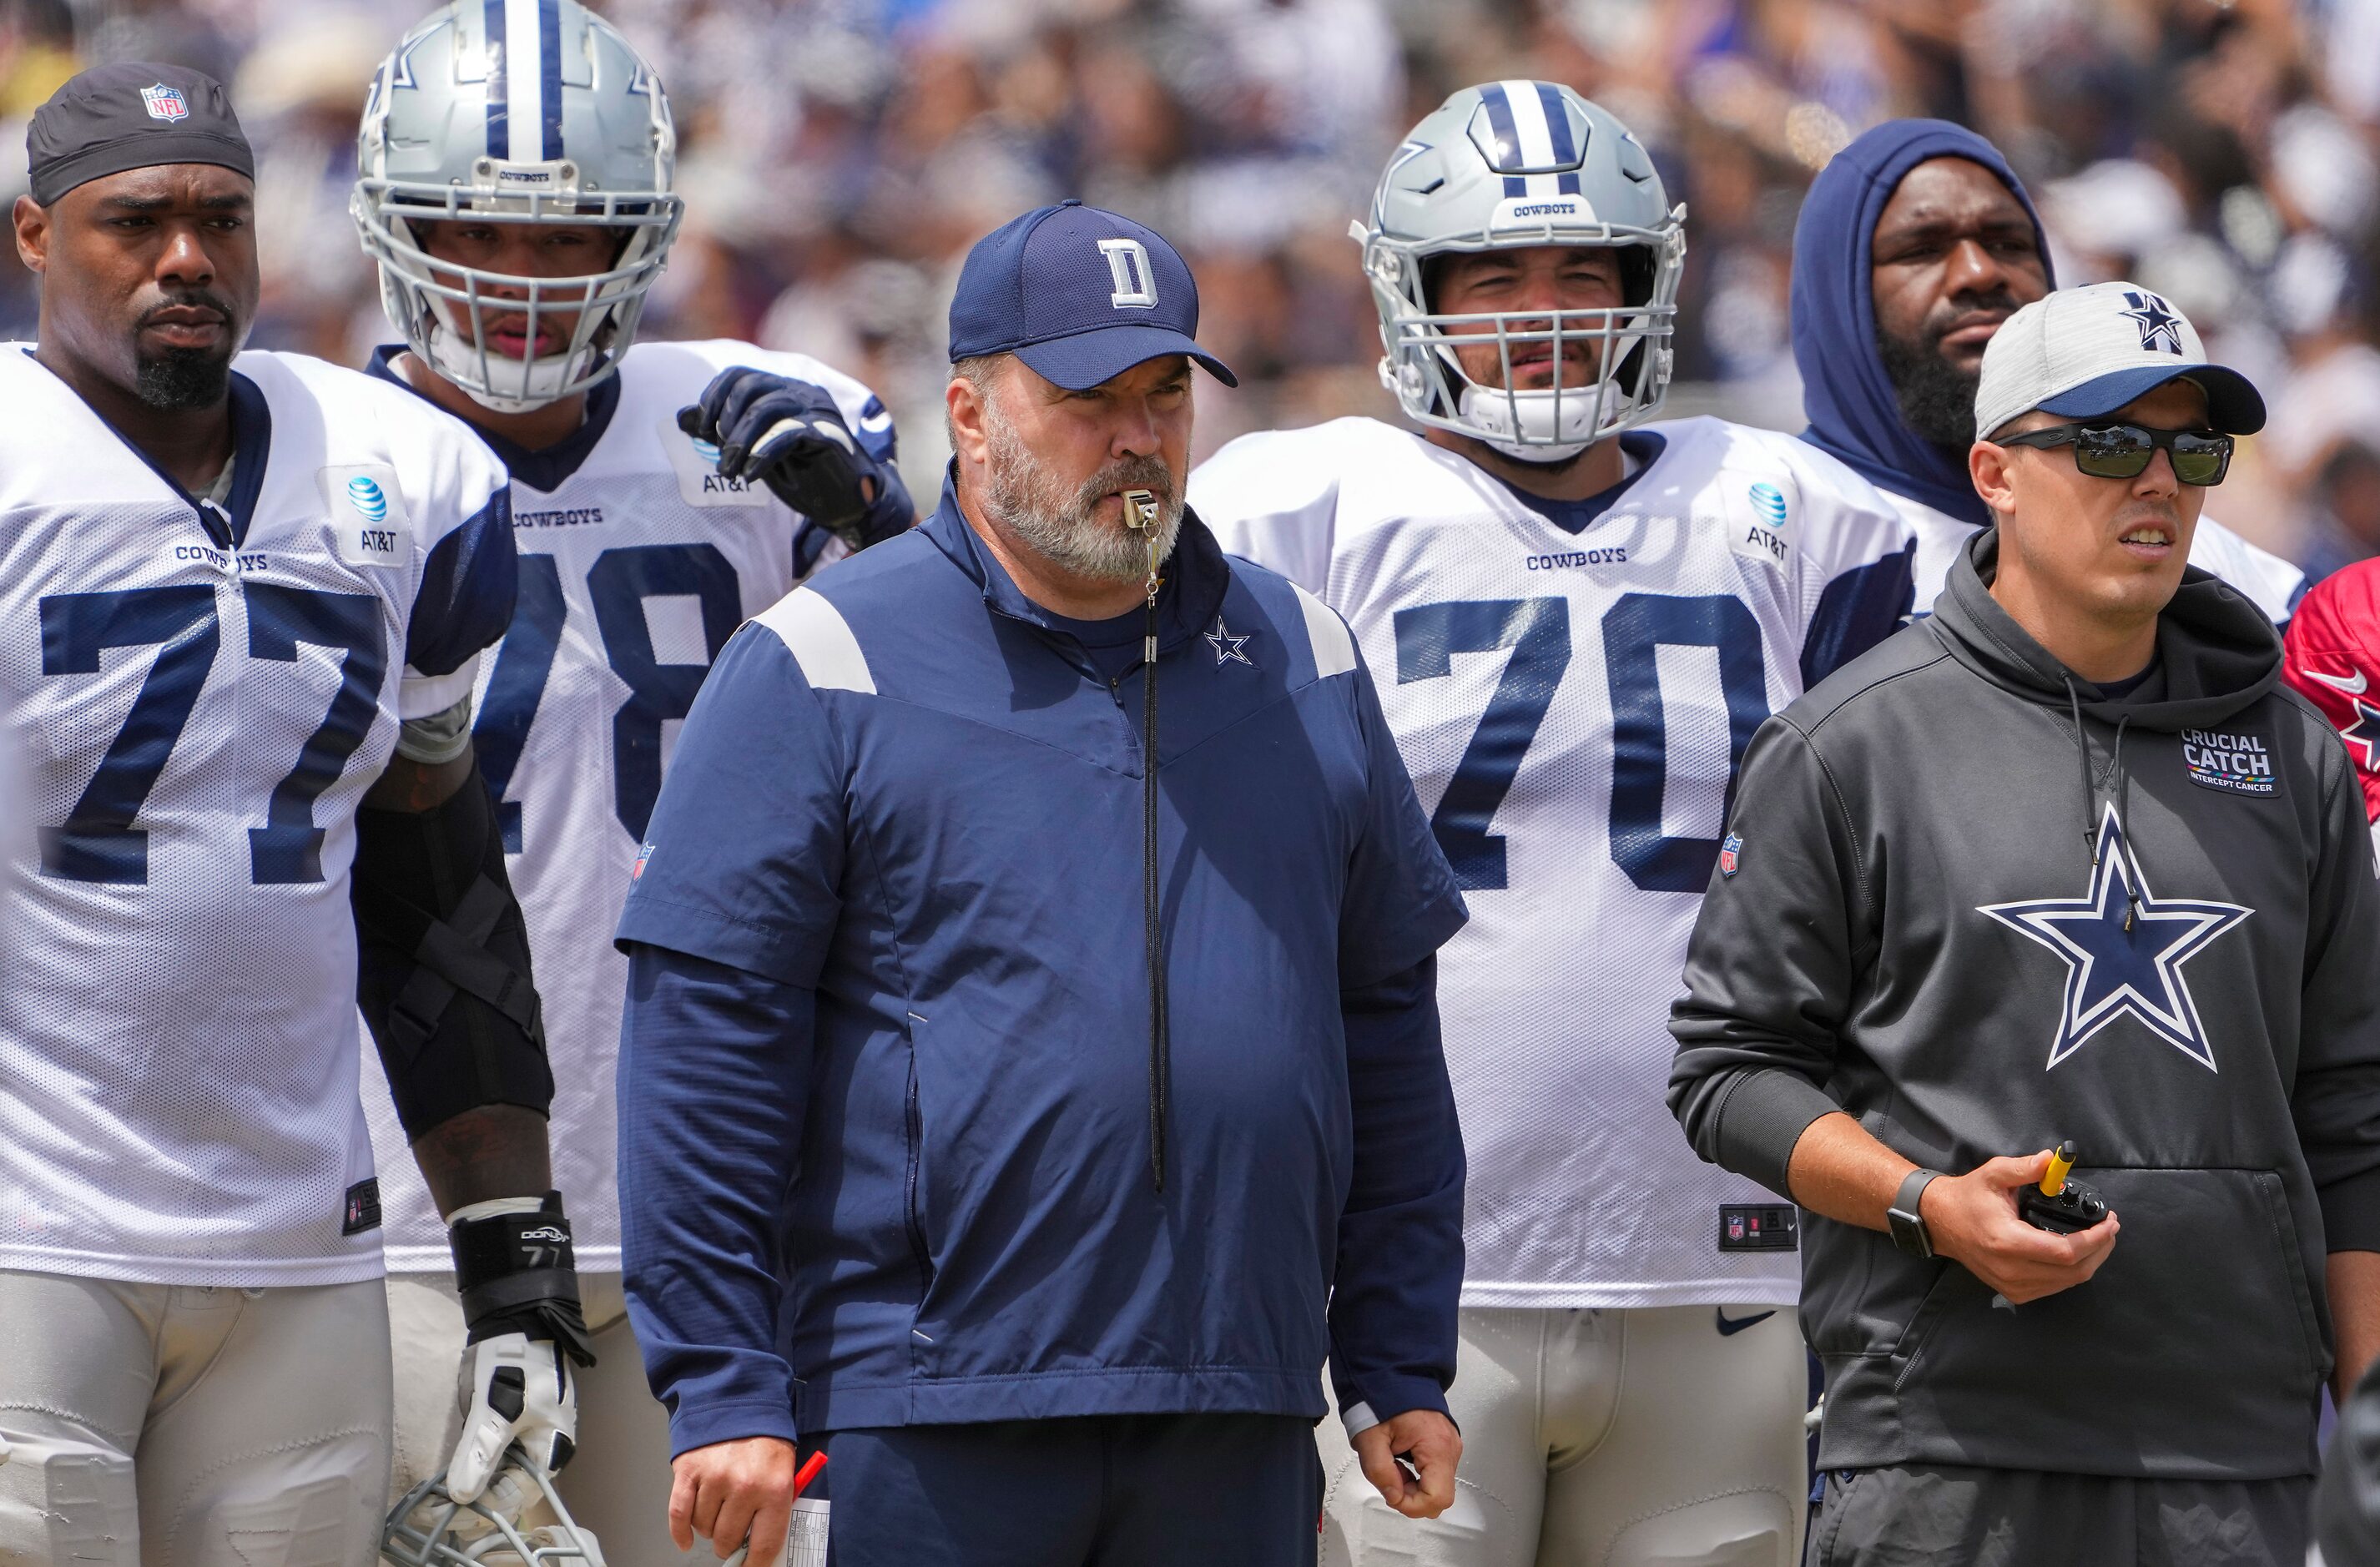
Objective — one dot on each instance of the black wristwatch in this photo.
(1909, 1231)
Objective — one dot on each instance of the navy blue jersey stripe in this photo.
(500, 138)
(549, 73)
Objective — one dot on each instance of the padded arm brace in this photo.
(517, 1274)
(444, 973)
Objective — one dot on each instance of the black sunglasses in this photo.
(2122, 451)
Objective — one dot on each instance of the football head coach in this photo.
(1031, 1066)
(2062, 861)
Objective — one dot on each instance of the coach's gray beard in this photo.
(1065, 526)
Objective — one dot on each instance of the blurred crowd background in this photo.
(839, 156)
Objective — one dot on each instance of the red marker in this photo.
(809, 1472)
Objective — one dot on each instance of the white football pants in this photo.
(177, 1425)
(617, 1482)
(1603, 1438)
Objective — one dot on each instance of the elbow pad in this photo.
(442, 972)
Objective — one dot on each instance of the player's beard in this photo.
(181, 379)
(1937, 398)
(1062, 523)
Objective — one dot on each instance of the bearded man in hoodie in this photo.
(2064, 861)
(1916, 242)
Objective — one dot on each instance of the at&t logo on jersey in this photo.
(368, 498)
(1760, 521)
(699, 482)
(368, 524)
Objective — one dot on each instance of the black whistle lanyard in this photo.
(1140, 514)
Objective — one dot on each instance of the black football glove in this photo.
(789, 435)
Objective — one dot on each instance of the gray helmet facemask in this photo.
(556, 121)
(1504, 165)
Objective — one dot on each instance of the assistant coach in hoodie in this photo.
(2063, 861)
(1914, 243)
(1020, 1129)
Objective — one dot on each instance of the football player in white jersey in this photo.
(642, 547)
(242, 598)
(1587, 617)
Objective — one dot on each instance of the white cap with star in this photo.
(2083, 353)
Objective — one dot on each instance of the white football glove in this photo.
(512, 1389)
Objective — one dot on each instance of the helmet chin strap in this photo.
(543, 380)
(1551, 427)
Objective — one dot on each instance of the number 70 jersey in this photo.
(1571, 688)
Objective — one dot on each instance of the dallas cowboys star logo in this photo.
(2121, 960)
(1227, 647)
(2160, 328)
(2364, 733)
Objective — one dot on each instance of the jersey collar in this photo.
(546, 470)
(1573, 517)
(251, 448)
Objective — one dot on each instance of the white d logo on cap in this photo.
(1135, 285)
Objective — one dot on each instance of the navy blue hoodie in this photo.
(1853, 413)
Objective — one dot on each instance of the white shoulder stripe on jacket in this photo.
(820, 640)
(1334, 645)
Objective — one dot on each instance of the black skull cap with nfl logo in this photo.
(131, 115)
(2082, 353)
(1080, 294)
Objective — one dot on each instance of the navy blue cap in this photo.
(1078, 294)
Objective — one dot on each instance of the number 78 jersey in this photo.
(1571, 688)
(637, 562)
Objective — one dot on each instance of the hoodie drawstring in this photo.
(2122, 788)
(2090, 791)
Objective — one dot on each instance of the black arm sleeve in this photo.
(1770, 969)
(443, 974)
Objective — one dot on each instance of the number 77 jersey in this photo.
(1572, 685)
(202, 693)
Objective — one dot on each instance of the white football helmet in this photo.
(1499, 166)
(430, 1528)
(533, 112)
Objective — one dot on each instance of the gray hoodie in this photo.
(1983, 907)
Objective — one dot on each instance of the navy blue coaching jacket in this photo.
(885, 1080)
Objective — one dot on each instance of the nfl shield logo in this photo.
(1735, 1226)
(1729, 848)
(164, 103)
(637, 871)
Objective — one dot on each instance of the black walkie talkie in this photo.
(2060, 1203)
